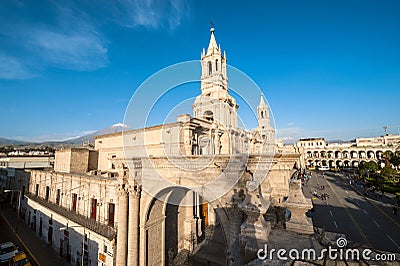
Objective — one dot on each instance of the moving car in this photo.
(20, 259)
(7, 251)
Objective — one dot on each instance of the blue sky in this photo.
(327, 68)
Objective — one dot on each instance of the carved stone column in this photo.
(255, 230)
(298, 205)
(133, 226)
(122, 227)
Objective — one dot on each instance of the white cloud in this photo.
(13, 68)
(71, 39)
(69, 42)
(151, 14)
(77, 50)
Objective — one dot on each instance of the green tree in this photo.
(369, 167)
(387, 156)
(388, 172)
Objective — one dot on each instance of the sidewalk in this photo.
(387, 198)
(43, 253)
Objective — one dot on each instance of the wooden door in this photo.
(111, 213)
(93, 212)
(204, 210)
(74, 201)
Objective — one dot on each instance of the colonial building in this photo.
(317, 152)
(142, 196)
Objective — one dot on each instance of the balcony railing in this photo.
(101, 229)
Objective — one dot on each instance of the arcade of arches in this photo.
(338, 158)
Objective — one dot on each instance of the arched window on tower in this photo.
(208, 115)
(262, 114)
(209, 68)
(216, 65)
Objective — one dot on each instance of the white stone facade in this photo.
(316, 152)
(68, 205)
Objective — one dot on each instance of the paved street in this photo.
(38, 252)
(7, 234)
(363, 221)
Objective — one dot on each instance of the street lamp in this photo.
(19, 206)
(83, 240)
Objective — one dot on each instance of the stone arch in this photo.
(338, 154)
(331, 164)
(354, 163)
(346, 163)
(371, 155)
(205, 145)
(353, 154)
(208, 115)
(164, 232)
(362, 154)
(209, 68)
(378, 154)
(324, 163)
(346, 154)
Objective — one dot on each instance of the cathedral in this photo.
(143, 196)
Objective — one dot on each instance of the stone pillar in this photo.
(133, 226)
(122, 227)
(12, 198)
(298, 205)
(254, 231)
(197, 204)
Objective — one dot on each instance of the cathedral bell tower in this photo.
(264, 124)
(214, 103)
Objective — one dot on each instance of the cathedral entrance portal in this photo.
(171, 228)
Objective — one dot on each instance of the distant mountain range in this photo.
(90, 139)
(4, 141)
(69, 142)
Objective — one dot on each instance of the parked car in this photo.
(323, 168)
(20, 259)
(7, 251)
